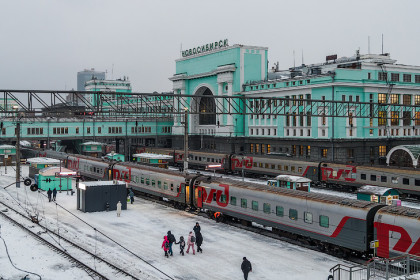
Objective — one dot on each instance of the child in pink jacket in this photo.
(191, 242)
(165, 246)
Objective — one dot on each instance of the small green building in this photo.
(7, 154)
(115, 157)
(39, 163)
(93, 149)
(46, 179)
(377, 194)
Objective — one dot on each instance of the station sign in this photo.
(67, 174)
(206, 48)
(374, 244)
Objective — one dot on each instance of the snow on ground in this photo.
(141, 229)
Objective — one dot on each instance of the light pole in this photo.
(243, 174)
(186, 140)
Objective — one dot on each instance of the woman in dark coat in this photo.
(199, 241)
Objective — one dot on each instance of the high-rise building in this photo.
(87, 75)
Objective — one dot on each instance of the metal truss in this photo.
(34, 104)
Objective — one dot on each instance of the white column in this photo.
(230, 117)
(220, 103)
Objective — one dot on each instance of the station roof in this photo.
(103, 183)
(50, 171)
(93, 143)
(43, 160)
(7, 147)
(152, 156)
(370, 189)
(289, 178)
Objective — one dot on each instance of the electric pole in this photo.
(186, 140)
(18, 154)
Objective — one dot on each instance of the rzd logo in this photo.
(385, 232)
(73, 164)
(239, 163)
(208, 198)
(122, 175)
(329, 173)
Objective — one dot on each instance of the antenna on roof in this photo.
(382, 44)
(302, 57)
(294, 63)
(368, 44)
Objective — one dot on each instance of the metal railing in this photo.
(406, 267)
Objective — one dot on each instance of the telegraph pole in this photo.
(18, 154)
(186, 141)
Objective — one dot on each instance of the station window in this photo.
(255, 205)
(279, 211)
(324, 221)
(233, 200)
(407, 78)
(308, 217)
(244, 203)
(77, 130)
(267, 208)
(406, 181)
(293, 214)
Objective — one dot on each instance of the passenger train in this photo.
(331, 175)
(341, 226)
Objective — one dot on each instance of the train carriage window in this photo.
(260, 165)
(394, 180)
(255, 164)
(363, 176)
(233, 200)
(165, 186)
(153, 183)
(159, 184)
(383, 179)
(266, 166)
(293, 214)
(142, 180)
(273, 166)
(279, 167)
(293, 169)
(406, 181)
(177, 189)
(267, 208)
(308, 217)
(255, 205)
(279, 211)
(214, 197)
(172, 187)
(373, 177)
(244, 203)
(417, 182)
(286, 168)
(223, 198)
(324, 221)
(147, 181)
(300, 169)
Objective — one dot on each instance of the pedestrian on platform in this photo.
(54, 193)
(199, 241)
(181, 245)
(131, 194)
(119, 209)
(165, 246)
(172, 240)
(190, 242)
(246, 267)
(196, 228)
(49, 193)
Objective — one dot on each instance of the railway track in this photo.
(113, 272)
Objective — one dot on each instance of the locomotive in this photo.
(341, 226)
(323, 174)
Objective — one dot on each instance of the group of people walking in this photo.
(53, 193)
(193, 238)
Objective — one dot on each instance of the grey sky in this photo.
(45, 43)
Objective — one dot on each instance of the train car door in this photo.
(187, 195)
(199, 196)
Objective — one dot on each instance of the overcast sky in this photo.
(44, 43)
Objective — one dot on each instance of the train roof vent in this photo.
(411, 213)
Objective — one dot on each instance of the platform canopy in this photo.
(404, 156)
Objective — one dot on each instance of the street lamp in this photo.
(186, 140)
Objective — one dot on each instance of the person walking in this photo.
(49, 193)
(246, 267)
(199, 241)
(181, 245)
(54, 193)
(131, 194)
(165, 246)
(172, 240)
(190, 242)
(196, 228)
(119, 209)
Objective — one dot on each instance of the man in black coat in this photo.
(246, 268)
(199, 241)
(172, 240)
(196, 228)
(49, 193)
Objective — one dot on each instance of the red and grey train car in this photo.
(336, 224)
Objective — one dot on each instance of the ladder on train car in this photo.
(406, 267)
